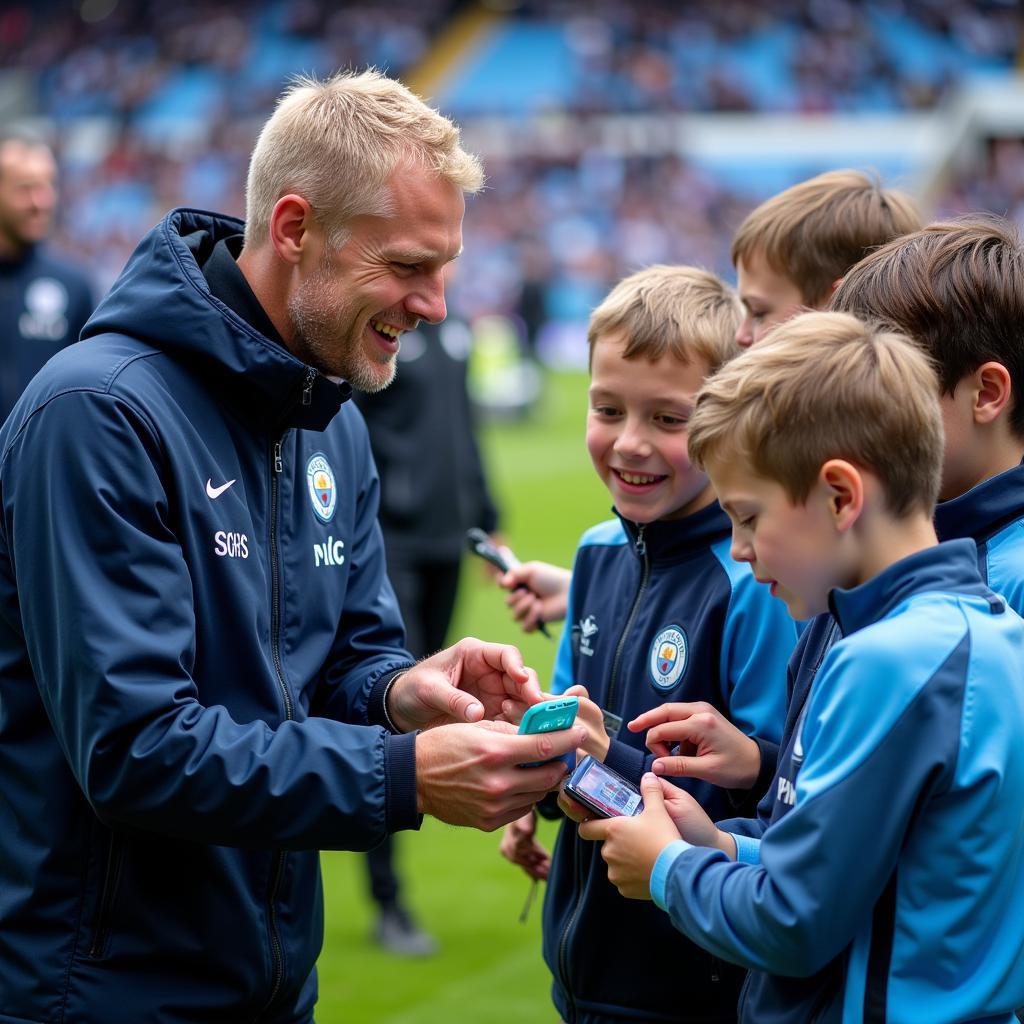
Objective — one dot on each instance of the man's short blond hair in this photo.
(335, 142)
(824, 386)
(814, 232)
(685, 311)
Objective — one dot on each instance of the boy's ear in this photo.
(993, 390)
(826, 302)
(844, 490)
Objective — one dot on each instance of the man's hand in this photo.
(464, 683)
(470, 774)
(632, 845)
(539, 593)
(519, 845)
(710, 746)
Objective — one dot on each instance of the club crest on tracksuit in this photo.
(323, 490)
(667, 660)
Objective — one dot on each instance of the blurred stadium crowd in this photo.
(154, 105)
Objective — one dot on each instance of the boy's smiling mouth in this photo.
(638, 479)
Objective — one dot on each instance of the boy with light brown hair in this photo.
(825, 447)
(658, 612)
(791, 252)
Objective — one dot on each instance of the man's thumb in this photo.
(444, 698)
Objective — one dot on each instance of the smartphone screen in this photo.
(607, 791)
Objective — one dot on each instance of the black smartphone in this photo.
(603, 791)
(480, 544)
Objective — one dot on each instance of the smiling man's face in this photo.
(348, 315)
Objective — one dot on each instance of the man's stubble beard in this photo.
(328, 337)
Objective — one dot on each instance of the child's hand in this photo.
(710, 746)
(519, 845)
(692, 821)
(539, 593)
(590, 716)
(632, 845)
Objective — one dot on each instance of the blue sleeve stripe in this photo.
(662, 867)
(757, 641)
(610, 533)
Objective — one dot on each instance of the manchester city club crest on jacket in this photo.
(668, 657)
(323, 490)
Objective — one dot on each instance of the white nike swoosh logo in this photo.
(216, 492)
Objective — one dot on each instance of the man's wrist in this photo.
(391, 724)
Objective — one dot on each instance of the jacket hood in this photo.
(162, 298)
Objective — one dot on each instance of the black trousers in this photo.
(426, 597)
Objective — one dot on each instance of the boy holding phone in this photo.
(892, 882)
(658, 611)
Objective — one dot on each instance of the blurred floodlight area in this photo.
(613, 135)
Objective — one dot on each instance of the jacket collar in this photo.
(668, 540)
(983, 510)
(952, 566)
(163, 299)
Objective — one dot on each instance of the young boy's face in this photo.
(768, 298)
(637, 430)
(792, 548)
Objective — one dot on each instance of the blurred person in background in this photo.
(44, 300)
(432, 490)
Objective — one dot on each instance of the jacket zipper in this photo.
(275, 641)
(110, 879)
(641, 549)
(563, 944)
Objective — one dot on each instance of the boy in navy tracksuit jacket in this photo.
(657, 609)
(898, 857)
(936, 285)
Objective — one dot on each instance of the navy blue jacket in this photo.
(898, 856)
(657, 613)
(991, 514)
(193, 609)
(44, 303)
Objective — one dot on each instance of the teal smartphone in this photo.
(550, 716)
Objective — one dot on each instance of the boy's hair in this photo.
(684, 311)
(957, 289)
(824, 386)
(335, 142)
(815, 231)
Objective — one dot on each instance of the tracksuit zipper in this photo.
(110, 879)
(275, 651)
(641, 549)
(563, 945)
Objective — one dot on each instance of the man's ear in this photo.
(993, 390)
(290, 223)
(844, 491)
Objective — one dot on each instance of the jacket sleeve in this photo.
(873, 751)
(757, 641)
(107, 612)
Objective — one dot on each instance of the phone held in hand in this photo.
(603, 791)
(550, 716)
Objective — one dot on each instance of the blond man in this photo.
(204, 680)
(897, 862)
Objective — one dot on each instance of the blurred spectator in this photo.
(44, 300)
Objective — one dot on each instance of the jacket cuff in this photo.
(629, 762)
(400, 782)
(748, 849)
(376, 703)
(769, 759)
(662, 867)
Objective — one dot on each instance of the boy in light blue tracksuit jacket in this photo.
(657, 610)
(895, 867)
